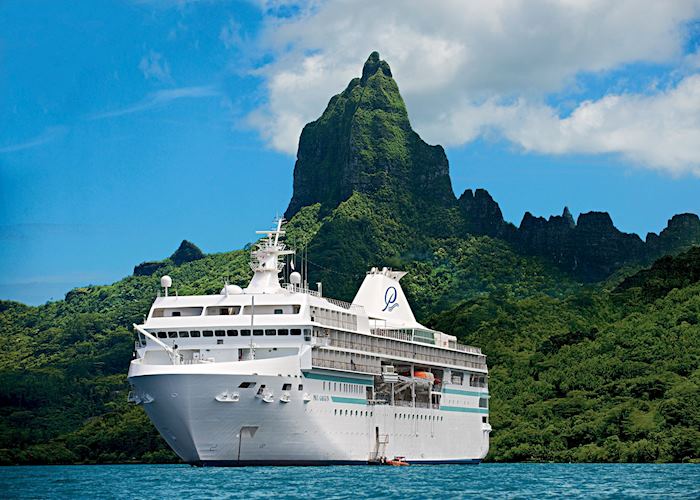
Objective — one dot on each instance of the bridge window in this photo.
(220, 333)
(208, 333)
(257, 332)
(260, 309)
(245, 333)
(296, 331)
(184, 334)
(270, 331)
(172, 335)
(232, 333)
(282, 331)
(194, 334)
(223, 311)
(165, 312)
(162, 335)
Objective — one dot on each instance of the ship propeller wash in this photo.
(276, 373)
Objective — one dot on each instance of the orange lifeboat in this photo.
(397, 462)
(425, 375)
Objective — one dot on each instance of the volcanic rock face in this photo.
(483, 215)
(363, 160)
(186, 252)
(682, 231)
(364, 143)
(592, 248)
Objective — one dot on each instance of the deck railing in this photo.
(437, 356)
(291, 287)
(403, 334)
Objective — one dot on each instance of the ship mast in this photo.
(265, 262)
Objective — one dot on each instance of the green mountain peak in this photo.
(373, 65)
(363, 142)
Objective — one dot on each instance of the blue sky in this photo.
(131, 125)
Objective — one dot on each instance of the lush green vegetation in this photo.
(605, 372)
(63, 368)
(590, 376)
(577, 373)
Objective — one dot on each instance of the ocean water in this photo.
(416, 481)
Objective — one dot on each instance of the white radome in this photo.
(231, 290)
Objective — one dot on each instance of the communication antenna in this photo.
(295, 279)
(166, 282)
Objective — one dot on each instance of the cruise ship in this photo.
(278, 374)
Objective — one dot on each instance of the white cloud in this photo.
(160, 98)
(660, 130)
(48, 135)
(470, 68)
(230, 34)
(155, 67)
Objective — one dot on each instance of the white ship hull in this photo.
(326, 429)
(282, 375)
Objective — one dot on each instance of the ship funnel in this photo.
(383, 299)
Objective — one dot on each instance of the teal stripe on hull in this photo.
(353, 401)
(447, 390)
(335, 378)
(465, 410)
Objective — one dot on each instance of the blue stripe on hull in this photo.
(249, 463)
(336, 378)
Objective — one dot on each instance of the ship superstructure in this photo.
(276, 373)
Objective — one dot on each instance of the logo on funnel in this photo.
(390, 297)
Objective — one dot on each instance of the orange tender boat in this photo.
(397, 462)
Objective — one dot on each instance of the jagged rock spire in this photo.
(374, 64)
(363, 142)
(568, 218)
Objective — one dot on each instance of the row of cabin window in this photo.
(483, 402)
(285, 387)
(358, 341)
(234, 333)
(357, 413)
(162, 312)
(413, 416)
(352, 388)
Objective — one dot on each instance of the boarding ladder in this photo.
(379, 452)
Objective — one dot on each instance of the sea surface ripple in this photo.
(416, 481)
